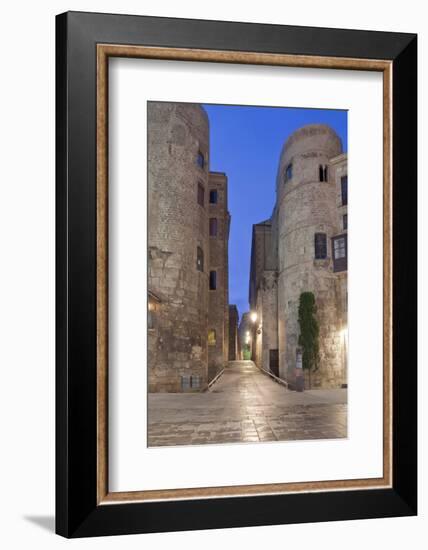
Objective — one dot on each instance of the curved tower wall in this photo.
(307, 206)
(177, 226)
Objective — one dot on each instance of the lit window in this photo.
(213, 280)
(201, 160)
(199, 259)
(151, 316)
(288, 173)
(212, 338)
(213, 227)
(201, 194)
(344, 189)
(323, 172)
(345, 222)
(151, 312)
(320, 242)
(213, 196)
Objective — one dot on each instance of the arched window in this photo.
(212, 337)
(199, 259)
(288, 173)
(323, 172)
(151, 315)
(320, 243)
(153, 303)
(200, 159)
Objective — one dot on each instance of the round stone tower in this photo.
(178, 254)
(307, 220)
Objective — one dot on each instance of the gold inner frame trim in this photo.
(104, 51)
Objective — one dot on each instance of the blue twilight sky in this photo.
(245, 143)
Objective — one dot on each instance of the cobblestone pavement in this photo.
(245, 405)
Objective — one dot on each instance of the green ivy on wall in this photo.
(309, 331)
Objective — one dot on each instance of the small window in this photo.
(195, 381)
(213, 196)
(320, 246)
(151, 314)
(345, 222)
(213, 227)
(339, 248)
(213, 280)
(199, 259)
(212, 337)
(344, 189)
(201, 194)
(185, 382)
(340, 253)
(201, 160)
(288, 173)
(323, 172)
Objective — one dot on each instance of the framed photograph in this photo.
(236, 274)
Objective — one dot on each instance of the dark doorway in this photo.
(274, 362)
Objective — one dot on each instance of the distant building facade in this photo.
(244, 336)
(183, 306)
(303, 247)
(234, 351)
(218, 303)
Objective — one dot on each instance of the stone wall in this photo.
(307, 206)
(234, 354)
(266, 330)
(263, 257)
(218, 306)
(307, 203)
(339, 169)
(177, 227)
(263, 296)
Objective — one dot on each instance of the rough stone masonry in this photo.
(188, 232)
(303, 247)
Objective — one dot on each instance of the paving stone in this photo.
(246, 406)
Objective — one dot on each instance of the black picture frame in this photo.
(77, 511)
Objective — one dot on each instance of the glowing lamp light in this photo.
(253, 316)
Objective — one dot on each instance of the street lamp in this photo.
(253, 316)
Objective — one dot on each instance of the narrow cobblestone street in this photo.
(245, 405)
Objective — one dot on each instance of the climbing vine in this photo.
(309, 331)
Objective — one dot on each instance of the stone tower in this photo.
(218, 300)
(178, 246)
(307, 220)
